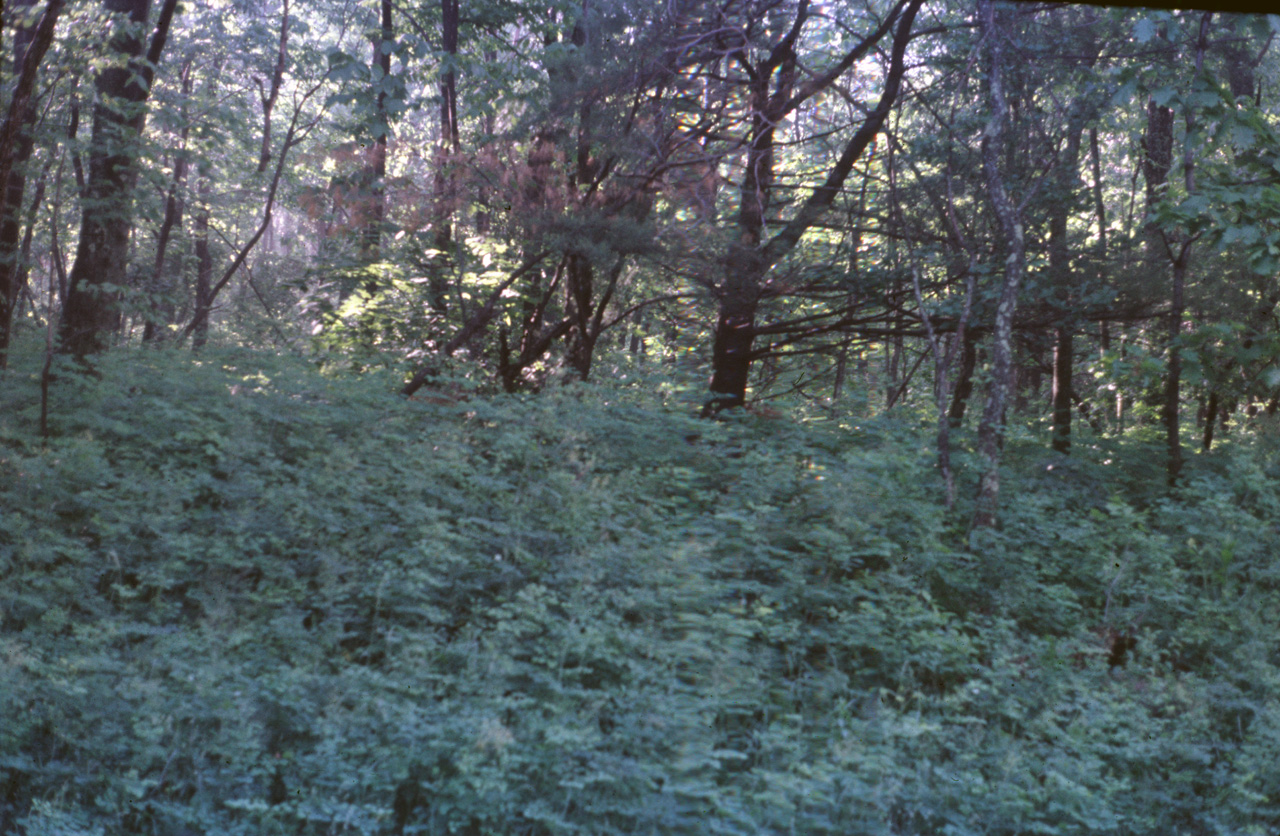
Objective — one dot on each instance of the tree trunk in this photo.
(941, 373)
(1173, 373)
(748, 259)
(376, 171)
(1183, 242)
(270, 96)
(1063, 361)
(1100, 213)
(173, 208)
(731, 351)
(1210, 419)
(991, 428)
(745, 267)
(29, 47)
(579, 281)
(444, 177)
(964, 379)
(91, 308)
(842, 363)
(1060, 271)
(204, 271)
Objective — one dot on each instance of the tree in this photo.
(100, 271)
(1009, 216)
(774, 90)
(29, 48)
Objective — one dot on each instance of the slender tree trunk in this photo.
(1100, 214)
(449, 147)
(1177, 307)
(1124, 345)
(271, 95)
(1060, 270)
(29, 47)
(173, 208)
(579, 271)
(893, 362)
(842, 364)
(1173, 372)
(579, 290)
(942, 371)
(376, 171)
(991, 429)
(1210, 419)
(1063, 362)
(204, 303)
(204, 269)
(28, 235)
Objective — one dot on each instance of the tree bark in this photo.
(1060, 271)
(204, 270)
(748, 259)
(376, 170)
(964, 379)
(941, 372)
(271, 95)
(1063, 362)
(449, 146)
(1177, 306)
(991, 428)
(29, 48)
(91, 308)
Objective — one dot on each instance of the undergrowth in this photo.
(239, 596)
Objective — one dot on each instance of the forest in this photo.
(629, 417)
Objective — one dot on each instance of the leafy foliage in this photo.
(242, 596)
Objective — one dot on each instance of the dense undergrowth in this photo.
(238, 596)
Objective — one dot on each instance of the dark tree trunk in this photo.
(1100, 213)
(91, 309)
(29, 47)
(204, 271)
(1060, 271)
(444, 177)
(1158, 160)
(941, 373)
(748, 258)
(579, 281)
(1158, 143)
(964, 379)
(731, 351)
(745, 267)
(270, 96)
(1210, 419)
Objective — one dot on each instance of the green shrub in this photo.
(239, 596)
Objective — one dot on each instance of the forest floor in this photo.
(242, 596)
